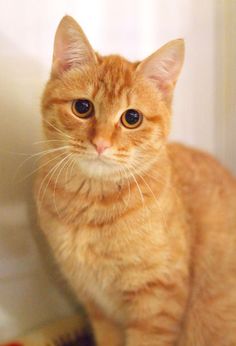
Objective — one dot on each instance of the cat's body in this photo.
(150, 250)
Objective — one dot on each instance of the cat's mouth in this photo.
(98, 165)
(99, 159)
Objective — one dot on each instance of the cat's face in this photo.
(111, 115)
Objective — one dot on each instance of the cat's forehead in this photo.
(115, 74)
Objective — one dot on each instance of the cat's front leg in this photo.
(106, 332)
(155, 314)
(150, 336)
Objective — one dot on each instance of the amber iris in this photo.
(131, 119)
(82, 108)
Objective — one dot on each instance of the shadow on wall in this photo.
(29, 294)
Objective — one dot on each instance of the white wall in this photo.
(133, 28)
(226, 87)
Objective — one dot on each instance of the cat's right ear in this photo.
(71, 47)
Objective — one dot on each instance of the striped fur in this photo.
(146, 233)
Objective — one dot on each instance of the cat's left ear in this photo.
(71, 47)
(164, 66)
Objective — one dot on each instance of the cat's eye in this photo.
(131, 119)
(82, 108)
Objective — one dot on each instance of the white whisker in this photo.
(49, 141)
(156, 200)
(67, 175)
(58, 130)
(138, 187)
(40, 167)
(66, 159)
(42, 153)
(48, 176)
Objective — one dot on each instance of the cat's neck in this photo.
(146, 180)
(149, 180)
(100, 201)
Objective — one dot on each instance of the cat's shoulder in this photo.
(189, 154)
(195, 164)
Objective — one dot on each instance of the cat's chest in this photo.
(90, 265)
(99, 280)
(96, 272)
(100, 254)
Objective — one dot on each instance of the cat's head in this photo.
(111, 114)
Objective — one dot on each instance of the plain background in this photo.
(204, 115)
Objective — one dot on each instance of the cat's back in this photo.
(198, 170)
(207, 189)
(208, 193)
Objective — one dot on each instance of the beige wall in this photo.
(203, 114)
(226, 73)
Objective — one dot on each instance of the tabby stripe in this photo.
(147, 327)
(148, 287)
(103, 201)
(111, 221)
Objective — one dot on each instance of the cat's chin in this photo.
(98, 168)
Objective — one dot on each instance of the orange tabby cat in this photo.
(144, 231)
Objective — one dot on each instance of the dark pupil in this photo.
(82, 106)
(132, 117)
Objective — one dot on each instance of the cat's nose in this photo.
(101, 144)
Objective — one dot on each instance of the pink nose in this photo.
(101, 144)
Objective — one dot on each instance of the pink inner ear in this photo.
(66, 65)
(163, 81)
(164, 65)
(71, 47)
(63, 54)
(162, 84)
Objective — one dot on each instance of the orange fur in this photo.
(146, 232)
